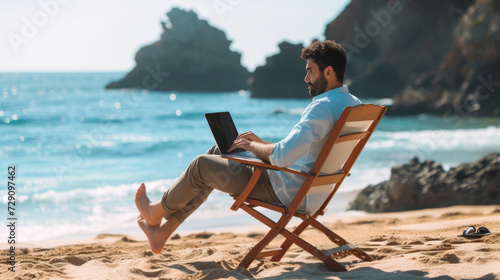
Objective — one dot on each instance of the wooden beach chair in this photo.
(343, 146)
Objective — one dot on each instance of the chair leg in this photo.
(287, 244)
(250, 257)
(313, 251)
(330, 234)
(339, 240)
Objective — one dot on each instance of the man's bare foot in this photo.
(158, 235)
(152, 213)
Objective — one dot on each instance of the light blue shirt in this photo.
(300, 149)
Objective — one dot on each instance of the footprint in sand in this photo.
(378, 238)
(256, 235)
(175, 237)
(415, 242)
(431, 238)
(76, 261)
(202, 235)
(393, 241)
(442, 258)
(147, 254)
(146, 273)
(208, 252)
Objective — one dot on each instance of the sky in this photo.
(92, 35)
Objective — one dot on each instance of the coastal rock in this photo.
(438, 57)
(389, 41)
(468, 81)
(190, 56)
(419, 185)
(282, 76)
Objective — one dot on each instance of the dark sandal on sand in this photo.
(471, 232)
(483, 231)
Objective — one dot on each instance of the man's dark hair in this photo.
(327, 53)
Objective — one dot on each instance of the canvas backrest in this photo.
(341, 151)
(354, 124)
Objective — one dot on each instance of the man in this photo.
(326, 62)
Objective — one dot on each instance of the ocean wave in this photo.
(23, 120)
(289, 111)
(91, 224)
(381, 101)
(115, 149)
(97, 195)
(437, 139)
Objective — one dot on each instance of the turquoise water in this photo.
(81, 151)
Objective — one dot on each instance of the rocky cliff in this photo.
(388, 42)
(419, 185)
(467, 82)
(282, 76)
(191, 55)
(437, 57)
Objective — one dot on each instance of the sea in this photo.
(80, 151)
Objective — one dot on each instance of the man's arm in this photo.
(314, 125)
(262, 150)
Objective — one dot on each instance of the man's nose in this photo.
(306, 78)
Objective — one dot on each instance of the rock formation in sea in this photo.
(190, 56)
(438, 57)
(419, 185)
(282, 76)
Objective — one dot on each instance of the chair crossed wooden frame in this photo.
(341, 149)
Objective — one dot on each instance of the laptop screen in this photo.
(223, 129)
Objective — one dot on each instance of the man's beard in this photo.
(319, 86)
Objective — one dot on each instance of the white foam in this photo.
(438, 139)
(91, 224)
(99, 194)
(290, 111)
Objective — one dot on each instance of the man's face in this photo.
(315, 79)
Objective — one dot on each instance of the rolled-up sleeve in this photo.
(314, 125)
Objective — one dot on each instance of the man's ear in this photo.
(328, 71)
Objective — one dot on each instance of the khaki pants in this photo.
(206, 173)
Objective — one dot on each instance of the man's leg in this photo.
(159, 234)
(205, 173)
(153, 213)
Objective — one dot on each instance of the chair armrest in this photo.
(261, 163)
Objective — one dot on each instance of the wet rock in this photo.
(419, 185)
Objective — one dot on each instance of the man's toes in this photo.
(140, 191)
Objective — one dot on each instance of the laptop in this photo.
(225, 133)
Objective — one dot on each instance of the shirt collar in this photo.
(342, 89)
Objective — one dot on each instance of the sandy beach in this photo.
(422, 244)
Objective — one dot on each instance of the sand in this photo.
(421, 244)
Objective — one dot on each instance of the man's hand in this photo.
(250, 136)
(244, 140)
(240, 143)
(251, 142)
